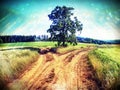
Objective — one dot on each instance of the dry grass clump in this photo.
(12, 62)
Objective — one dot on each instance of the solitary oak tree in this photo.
(63, 28)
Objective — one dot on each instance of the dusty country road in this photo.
(69, 71)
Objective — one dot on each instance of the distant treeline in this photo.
(30, 38)
(22, 38)
(95, 41)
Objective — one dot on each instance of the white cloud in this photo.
(36, 25)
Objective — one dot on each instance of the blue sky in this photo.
(100, 18)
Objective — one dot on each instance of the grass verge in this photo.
(12, 62)
(106, 62)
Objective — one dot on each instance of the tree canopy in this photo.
(63, 28)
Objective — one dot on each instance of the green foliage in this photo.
(63, 28)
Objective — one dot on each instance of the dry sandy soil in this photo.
(68, 71)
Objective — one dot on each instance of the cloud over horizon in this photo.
(100, 18)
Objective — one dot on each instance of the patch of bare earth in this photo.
(69, 71)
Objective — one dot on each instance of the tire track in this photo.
(69, 71)
(86, 79)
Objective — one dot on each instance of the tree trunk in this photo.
(63, 44)
(63, 40)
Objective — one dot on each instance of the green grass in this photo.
(30, 44)
(12, 62)
(42, 44)
(106, 62)
(114, 53)
(36, 44)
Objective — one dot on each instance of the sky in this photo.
(100, 18)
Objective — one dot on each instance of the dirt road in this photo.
(69, 71)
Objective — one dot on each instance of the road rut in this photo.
(69, 71)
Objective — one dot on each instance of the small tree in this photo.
(63, 28)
